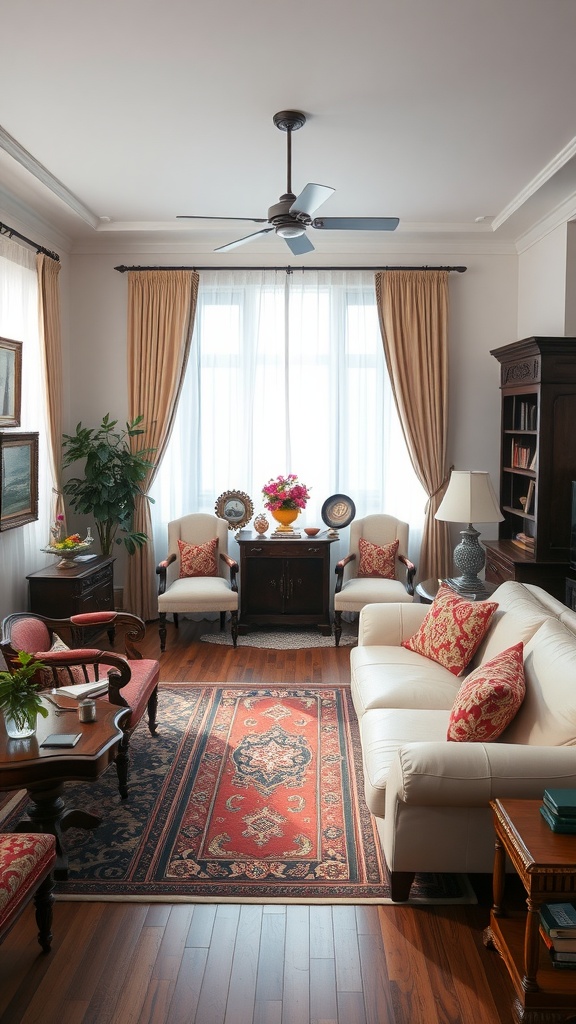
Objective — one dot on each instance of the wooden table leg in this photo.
(47, 813)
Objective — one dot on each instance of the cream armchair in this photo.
(353, 592)
(217, 592)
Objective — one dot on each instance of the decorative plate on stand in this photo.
(338, 511)
(235, 507)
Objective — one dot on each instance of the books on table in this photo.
(558, 932)
(558, 809)
(80, 691)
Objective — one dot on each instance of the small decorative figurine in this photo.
(261, 524)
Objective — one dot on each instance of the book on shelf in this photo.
(565, 826)
(560, 956)
(529, 497)
(558, 920)
(561, 801)
(79, 691)
(560, 945)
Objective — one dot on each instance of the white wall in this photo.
(542, 286)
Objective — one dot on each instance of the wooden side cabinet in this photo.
(285, 582)
(60, 593)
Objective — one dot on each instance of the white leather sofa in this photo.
(430, 796)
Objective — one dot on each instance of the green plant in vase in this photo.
(112, 481)
(20, 700)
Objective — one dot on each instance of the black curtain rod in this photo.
(12, 233)
(290, 270)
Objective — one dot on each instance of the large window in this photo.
(287, 375)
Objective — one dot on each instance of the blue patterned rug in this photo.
(247, 794)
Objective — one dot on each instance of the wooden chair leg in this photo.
(123, 765)
(175, 617)
(162, 631)
(234, 628)
(152, 708)
(44, 902)
(222, 620)
(337, 627)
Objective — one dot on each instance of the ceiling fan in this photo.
(291, 215)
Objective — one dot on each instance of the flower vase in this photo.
(285, 517)
(21, 729)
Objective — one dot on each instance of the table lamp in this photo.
(469, 497)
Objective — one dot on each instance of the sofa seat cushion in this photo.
(383, 732)
(198, 593)
(368, 590)
(548, 713)
(393, 677)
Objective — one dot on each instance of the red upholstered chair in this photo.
(132, 680)
(26, 862)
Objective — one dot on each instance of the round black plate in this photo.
(338, 511)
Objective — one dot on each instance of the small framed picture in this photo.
(10, 382)
(18, 479)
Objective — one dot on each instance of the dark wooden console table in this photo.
(60, 593)
(285, 582)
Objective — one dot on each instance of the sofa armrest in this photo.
(471, 774)
(388, 624)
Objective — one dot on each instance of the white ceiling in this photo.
(439, 112)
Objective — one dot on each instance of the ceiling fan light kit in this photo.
(291, 215)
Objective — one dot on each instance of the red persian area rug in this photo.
(245, 795)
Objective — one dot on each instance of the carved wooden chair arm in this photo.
(119, 673)
(410, 573)
(161, 572)
(340, 566)
(233, 567)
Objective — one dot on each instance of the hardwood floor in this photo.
(131, 963)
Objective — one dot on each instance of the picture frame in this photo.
(18, 479)
(235, 507)
(10, 382)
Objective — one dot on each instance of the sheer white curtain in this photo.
(20, 551)
(287, 375)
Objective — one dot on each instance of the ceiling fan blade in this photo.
(311, 197)
(299, 245)
(195, 216)
(356, 223)
(241, 241)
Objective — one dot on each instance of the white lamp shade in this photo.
(469, 498)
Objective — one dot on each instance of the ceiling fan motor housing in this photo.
(286, 224)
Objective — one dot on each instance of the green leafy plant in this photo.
(112, 480)
(19, 696)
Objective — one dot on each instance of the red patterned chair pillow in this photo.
(376, 560)
(452, 630)
(489, 698)
(198, 559)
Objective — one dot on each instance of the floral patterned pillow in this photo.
(376, 560)
(198, 559)
(452, 630)
(489, 698)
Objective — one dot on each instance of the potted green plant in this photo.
(112, 480)
(20, 700)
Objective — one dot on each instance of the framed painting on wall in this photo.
(10, 382)
(18, 479)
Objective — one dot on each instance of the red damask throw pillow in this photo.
(198, 559)
(452, 630)
(489, 698)
(376, 560)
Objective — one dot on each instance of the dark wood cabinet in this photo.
(537, 464)
(285, 582)
(59, 593)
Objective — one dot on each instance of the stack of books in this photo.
(558, 930)
(559, 810)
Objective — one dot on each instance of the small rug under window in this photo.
(283, 639)
(247, 794)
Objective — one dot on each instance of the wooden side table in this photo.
(285, 582)
(427, 590)
(60, 593)
(545, 862)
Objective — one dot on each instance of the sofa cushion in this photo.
(452, 630)
(198, 559)
(489, 698)
(377, 560)
(392, 677)
(383, 732)
(520, 613)
(548, 713)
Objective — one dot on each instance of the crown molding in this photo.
(563, 213)
(533, 186)
(25, 220)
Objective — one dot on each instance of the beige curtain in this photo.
(48, 270)
(413, 312)
(161, 311)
